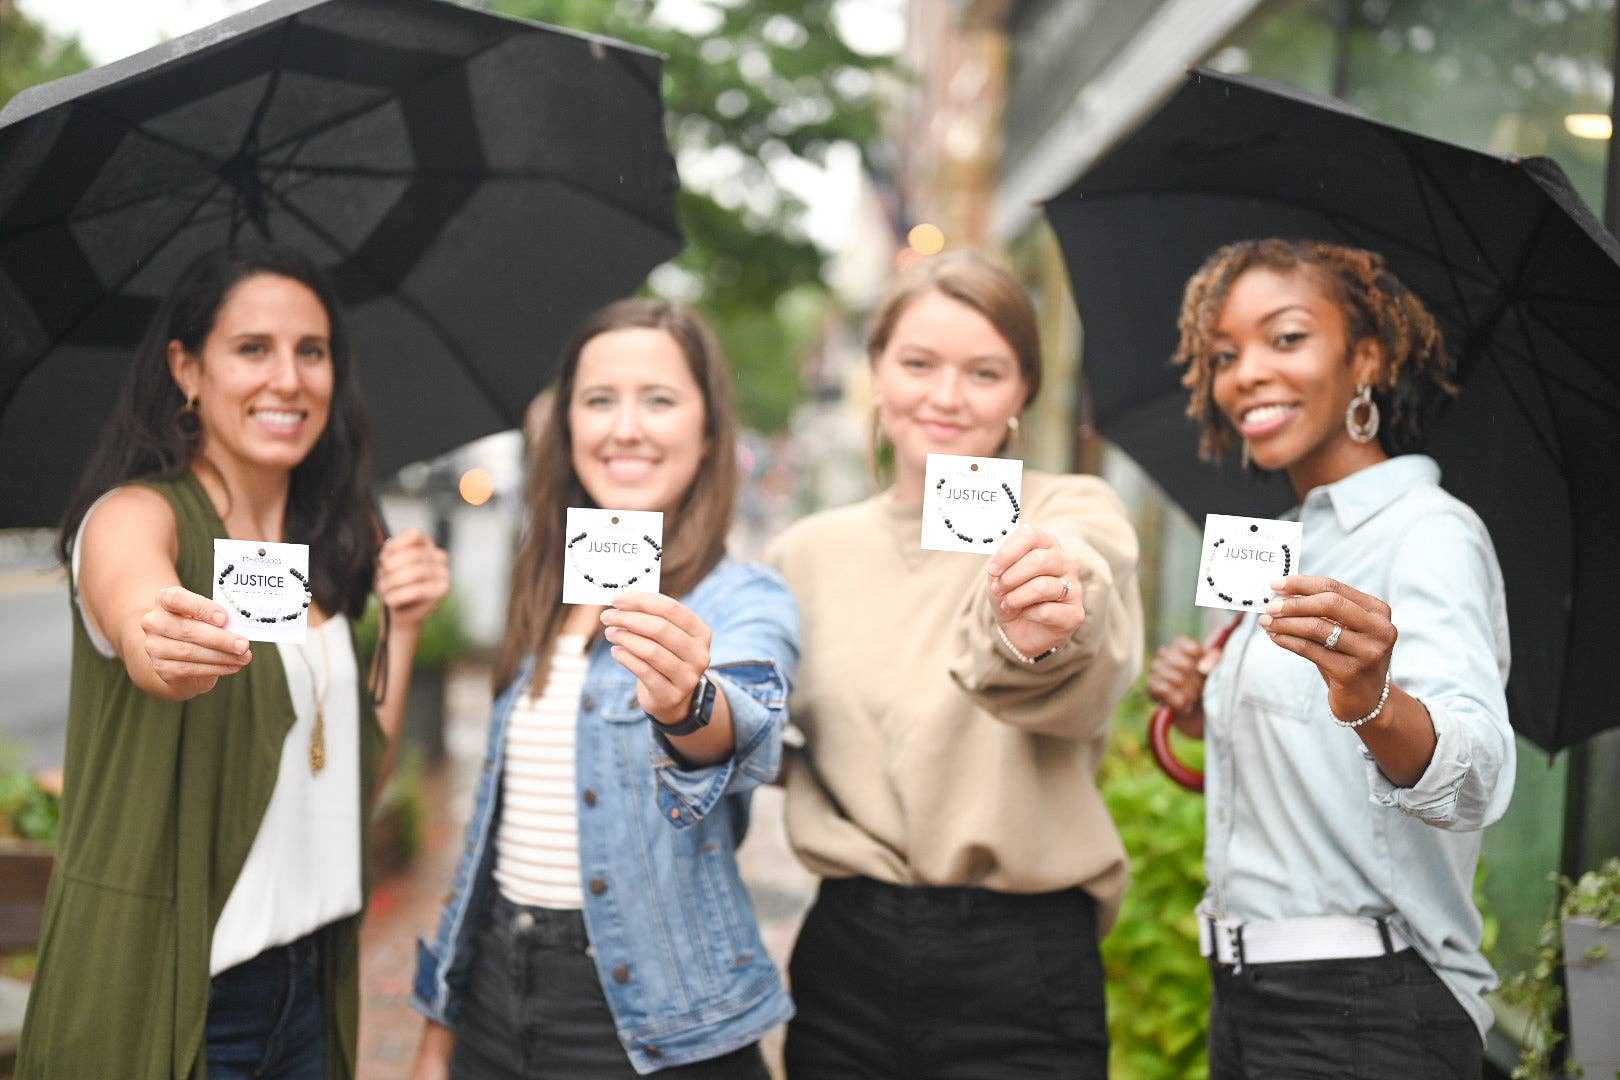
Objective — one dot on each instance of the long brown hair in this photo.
(694, 537)
(329, 502)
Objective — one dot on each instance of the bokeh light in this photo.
(477, 485)
(926, 239)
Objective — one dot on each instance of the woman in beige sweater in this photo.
(955, 707)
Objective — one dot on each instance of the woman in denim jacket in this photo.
(598, 926)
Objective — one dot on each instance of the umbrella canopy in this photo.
(474, 184)
(1523, 278)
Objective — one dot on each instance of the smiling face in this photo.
(636, 417)
(1284, 375)
(263, 378)
(947, 383)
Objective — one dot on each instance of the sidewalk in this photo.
(408, 904)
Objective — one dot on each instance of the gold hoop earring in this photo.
(1362, 431)
(1012, 424)
(188, 420)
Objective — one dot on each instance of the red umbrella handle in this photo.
(1159, 727)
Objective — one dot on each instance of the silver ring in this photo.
(1333, 638)
(1066, 587)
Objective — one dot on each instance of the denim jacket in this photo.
(676, 944)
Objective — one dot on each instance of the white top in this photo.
(303, 870)
(537, 842)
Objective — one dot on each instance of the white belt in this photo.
(1320, 937)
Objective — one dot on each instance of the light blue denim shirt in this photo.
(675, 941)
(1301, 821)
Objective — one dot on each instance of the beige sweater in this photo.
(935, 756)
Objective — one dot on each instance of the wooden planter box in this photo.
(25, 871)
(1594, 995)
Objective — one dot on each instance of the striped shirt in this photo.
(537, 843)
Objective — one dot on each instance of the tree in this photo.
(764, 87)
(29, 55)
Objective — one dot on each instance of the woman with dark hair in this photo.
(955, 710)
(205, 907)
(1348, 775)
(598, 926)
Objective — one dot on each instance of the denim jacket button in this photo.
(598, 886)
(652, 1052)
(590, 797)
(587, 703)
(621, 974)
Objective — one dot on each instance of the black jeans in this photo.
(946, 984)
(536, 1011)
(1379, 1018)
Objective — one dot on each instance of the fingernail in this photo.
(995, 569)
(607, 616)
(611, 633)
(1277, 584)
(240, 645)
(219, 618)
(1265, 620)
(1207, 664)
(1004, 606)
(1274, 606)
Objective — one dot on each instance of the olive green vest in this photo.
(161, 801)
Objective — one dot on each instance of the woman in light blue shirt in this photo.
(1357, 732)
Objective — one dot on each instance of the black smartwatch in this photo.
(698, 713)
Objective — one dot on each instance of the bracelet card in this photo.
(265, 587)
(609, 552)
(1242, 556)
(970, 503)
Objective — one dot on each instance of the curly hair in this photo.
(1416, 376)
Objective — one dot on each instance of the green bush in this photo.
(27, 812)
(443, 639)
(1158, 985)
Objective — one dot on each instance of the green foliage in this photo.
(1158, 985)
(768, 85)
(443, 637)
(1536, 989)
(28, 55)
(27, 811)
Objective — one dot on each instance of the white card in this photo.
(1242, 556)
(609, 552)
(265, 587)
(970, 503)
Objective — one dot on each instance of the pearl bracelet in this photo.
(1383, 697)
(1016, 651)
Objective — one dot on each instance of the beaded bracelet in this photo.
(658, 556)
(1012, 500)
(309, 597)
(1016, 651)
(1383, 697)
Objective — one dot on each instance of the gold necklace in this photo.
(317, 734)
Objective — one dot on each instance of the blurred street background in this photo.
(822, 144)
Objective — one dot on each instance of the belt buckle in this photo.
(1234, 936)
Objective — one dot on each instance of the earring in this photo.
(1248, 459)
(1363, 431)
(188, 420)
(1012, 425)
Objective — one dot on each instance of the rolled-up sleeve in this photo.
(1449, 609)
(754, 653)
(1073, 693)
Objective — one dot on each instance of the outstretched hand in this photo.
(1306, 615)
(1035, 590)
(187, 644)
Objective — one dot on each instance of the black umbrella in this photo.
(475, 184)
(1523, 278)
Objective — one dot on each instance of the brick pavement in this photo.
(408, 904)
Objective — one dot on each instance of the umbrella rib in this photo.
(1558, 332)
(474, 376)
(135, 267)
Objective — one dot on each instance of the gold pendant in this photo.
(317, 744)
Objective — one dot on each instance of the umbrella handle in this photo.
(1159, 726)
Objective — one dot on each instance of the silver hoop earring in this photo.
(1012, 424)
(1363, 431)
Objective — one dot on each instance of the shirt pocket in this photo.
(1277, 688)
